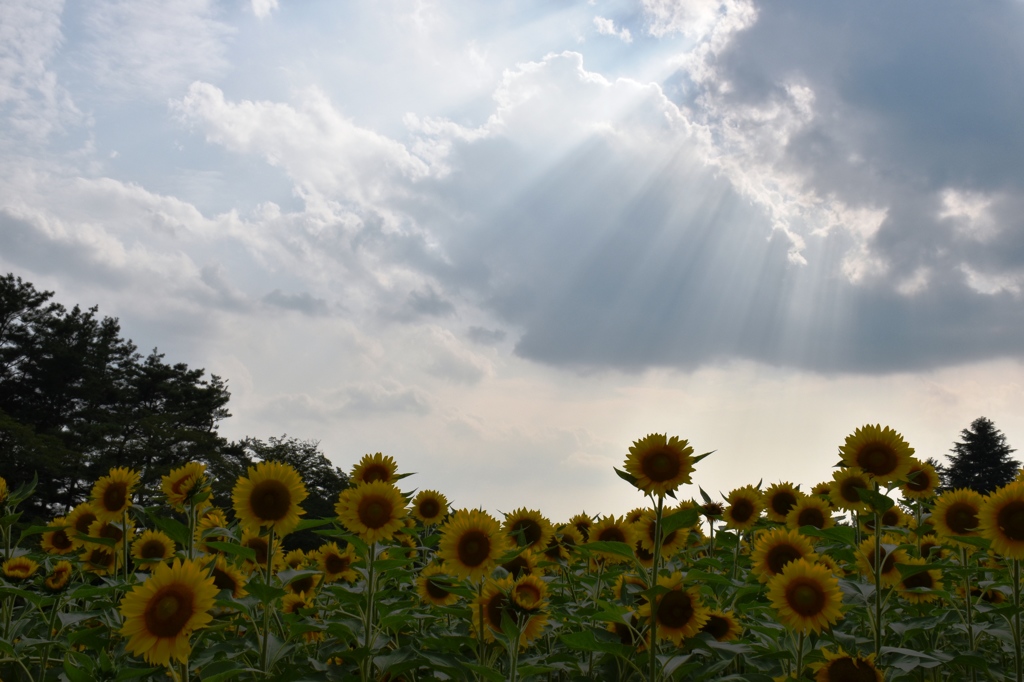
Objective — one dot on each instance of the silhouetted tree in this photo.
(981, 461)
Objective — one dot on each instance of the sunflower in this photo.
(810, 510)
(779, 498)
(831, 564)
(376, 467)
(373, 511)
(956, 513)
(184, 484)
(893, 517)
(723, 626)
(919, 587)
(823, 489)
(743, 508)
(775, 549)
(207, 530)
(152, 545)
(680, 613)
(583, 522)
(880, 453)
(269, 496)
(260, 544)
(296, 559)
(629, 589)
(529, 592)
(931, 547)
(161, 613)
(612, 529)
(891, 556)
(100, 560)
(58, 540)
(528, 528)
(845, 483)
(338, 564)
(844, 667)
(430, 507)
(112, 494)
(562, 543)
(433, 588)
(3, 490)
(644, 556)
(1001, 520)
(59, 577)
(111, 530)
(629, 630)
(524, 563)
(471, 543)
(79, 519)
(660, 464)
(633, 515)
(19, 569)
(646, 529)
(227, 576)
(806, 596)
(496, 602)
(304, 584)
(920, 482)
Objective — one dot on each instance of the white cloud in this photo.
(263, 8)
(970, 213)
(606, 27)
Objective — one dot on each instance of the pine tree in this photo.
(981, 461)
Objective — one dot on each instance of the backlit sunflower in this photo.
(660, 464)
(376, 467)
(1001, 520)
(919, 587)
(19, 568)
(184, 484)
(845, 483)
(583, 522)
(100, 560)
(112, 494)
(338, 564)
(471, 543)
(680, 612)
(161, 613)
(612, 529)
(743, 508)
(806, 596)
(269, 496)
(843, 667)
(59, 577)
(206, 530)
(779, 498)
(58, 539)
(880, 453)
(524, 563)
(956, 512)
(497, 604)
(891, 556)
(434, 588)
(430, 507)
(152, 545)
(646, 531)
(920, 482)
(528, 528)
(775, 549)
(373, 511)
(810, 510)
(79, 519)
(723, 626)
(227, 576)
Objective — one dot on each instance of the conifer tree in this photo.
(981, 460)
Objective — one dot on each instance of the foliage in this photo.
(981, 460)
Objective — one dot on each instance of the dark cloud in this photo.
(485, 336)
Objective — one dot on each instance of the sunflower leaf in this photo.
(609, 547)
(700, 457)
(306, 524)
(704, 495)
(626, 476)
(233, 549)
(175, 530)
(686, 518)
(875, 499)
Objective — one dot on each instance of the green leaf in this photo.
(486, 673)
(875, 499)
(132, 673)
(610, 547)
(700, 457)
(174, 529)
(306, 524)
(587, 640)
(686, 518)
(233, 549)
(265, 593)
(626, 476)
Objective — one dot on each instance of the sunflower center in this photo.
(84, 521)
(742, 510)
(435, 590)
(496, 606)
(517, 566)
(152, 549)
(258, 545)
(530, 530)
(782, 502)
(716, 626)
(335, 563)
(1011, 520)
(474, 548)
(642, 554)
(611, 534)
(376, 472)
(374, 511)
(661, 465)
(848, 490)
(675, 609)
(169, 610)
(811, 516)
(271, 500)
(429, 509)
(777, 557)
(100, 557)
(527, 595)
(962, 518)
(849, 670)
(917, 480)
(922, 579)
(877, 459)
(111, 532)
(303, 584)
(115, 496)
(805, 598)
(223, 580)
(60, 539)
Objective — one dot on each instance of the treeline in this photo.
(77, 399)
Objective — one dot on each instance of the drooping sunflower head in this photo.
(845, 483)
(743, 508)
(680, 612)
(879, 452)
(920, 586)
(185, 484)
(430, 507)
(471, 543)
(956, 512)
(58, 540)
(724, 626)
(152, 546)
(891, 555)
(338, 564)
(19, 568)
(373, 511)
(1001, 520)
(920, 482)
(112, 494)
(161, 613)
(375, 467)
(269, 496)
(613, 529)
(660, 464)
(843, 667)
(59, 576)
(779, 498)
(434, 587)
(810, 510)
(528, 528)
(775, 549)
(806, 596)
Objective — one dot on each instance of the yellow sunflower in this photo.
(304, 584)
(646, 529)
(629, 631)
(806, 596)
(152, 545)
(893, 517)
(338, 564)
(296, 559)
(59, 577)
(743, 508)
(612, 529)
(680, 612)
(779, 498)
(810, 510)
(471, 543)
(58, 540)
(628, 589)
(529, 592)
(583, 522)
(207, 530)
(562, 543)
(524, 563)
(112, 530)
(184, 484)
(112, 494)
(430, 507)
(496, 603)
(376, 467)
(845, 483)
(528, 528)
(19, 568)
(723, 626)
(373, 511)
(956, 512)
(269, 496)
(823, 489)
(920, 482)
(433, 588)
(227, 576)
(880, 453)
(775, 549)
(919, 587)
(100, 560)
(931, 547)
(79, 519)
(260, 544)
(660, 464)
(1001, 520)
(891, 556)
(161, 613)
(843, 667)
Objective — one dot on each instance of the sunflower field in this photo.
(869, 576)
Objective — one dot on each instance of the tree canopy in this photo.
(981, 460)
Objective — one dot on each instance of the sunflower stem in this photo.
(736, 554)
(800, 655)
(44, 659)
(480, 630)
(371, 588)
(659, 508)
(878, 581)
(969, 603)
(1018, 667)
(264, 657)
(124, 542)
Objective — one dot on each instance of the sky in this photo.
(502, 241)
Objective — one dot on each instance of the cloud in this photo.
(303, 302)
(485, 336)
(263, 8)
(606, 27)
